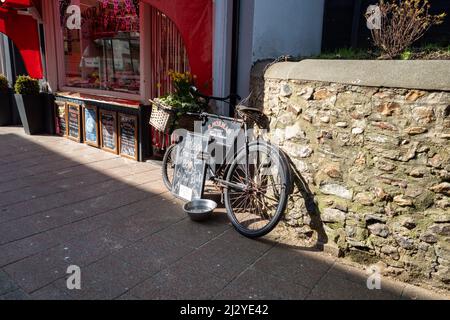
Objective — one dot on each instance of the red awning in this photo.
(23, 31)
(194, 20)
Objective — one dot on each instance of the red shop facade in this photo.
(102, 60)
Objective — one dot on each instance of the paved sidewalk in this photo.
(63, 203)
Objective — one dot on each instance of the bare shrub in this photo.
(403, 22)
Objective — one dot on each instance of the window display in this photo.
(104, 52)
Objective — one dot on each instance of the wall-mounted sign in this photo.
(190, 169)
(108, 131)
(128, 139)
(61, 118)
(90, 116)
(74, 121)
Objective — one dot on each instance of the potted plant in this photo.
(170, 111)
(29, 104)
(48, 105)
(5, 104)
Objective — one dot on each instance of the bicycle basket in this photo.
(162, 117)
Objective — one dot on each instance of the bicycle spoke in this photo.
(256, 206)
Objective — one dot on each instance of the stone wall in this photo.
(373, 171)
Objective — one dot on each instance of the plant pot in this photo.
(31, 113)
(48, 101)
(15, 117)
(5, 109)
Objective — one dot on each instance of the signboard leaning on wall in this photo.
(61, 118)
(74, 121)
(108, 131)
(128, 136)
(90, 118)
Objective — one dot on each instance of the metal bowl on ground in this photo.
(200, 210)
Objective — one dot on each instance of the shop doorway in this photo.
(168, 53)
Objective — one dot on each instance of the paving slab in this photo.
(106, 279)
(193, 234)
(256, 285)
(153, 254)
(179, 282)
(299, 267)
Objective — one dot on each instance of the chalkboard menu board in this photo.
(61, 118)
(128, 142)
(224, 134)
(189, 176)
(223, 131)
(90, 117)
(108, 131)
(73, 121)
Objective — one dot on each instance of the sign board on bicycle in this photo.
(223, 131)
(190, 168)
(225, 134)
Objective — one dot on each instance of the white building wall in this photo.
(223, 19)
(287, 27)
(274, 28)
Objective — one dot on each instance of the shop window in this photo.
(104, 53)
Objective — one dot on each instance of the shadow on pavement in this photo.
(64, 203)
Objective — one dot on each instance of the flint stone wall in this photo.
(372, 167)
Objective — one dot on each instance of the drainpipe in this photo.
(235, 54)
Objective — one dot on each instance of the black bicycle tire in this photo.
(287, 163)
(284, 197)
(165, 176)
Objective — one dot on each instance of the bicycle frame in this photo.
(215, 175)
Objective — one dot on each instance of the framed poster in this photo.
(108, 131)
(190, 170)
(128, 136)
(74, 121)
(90, 125)
(61, 118)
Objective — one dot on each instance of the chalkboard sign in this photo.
(128, 142)
(73, 121)
(61, 118)
(223, 134)
(190, 170)
(108, 131)
(90, 117)
(223, 131)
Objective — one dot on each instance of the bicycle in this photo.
(255, 180)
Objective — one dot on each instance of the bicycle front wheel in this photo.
(256, 207)
(168, 166)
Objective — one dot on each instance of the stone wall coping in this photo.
(412, 74)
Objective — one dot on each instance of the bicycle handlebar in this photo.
(194, 91)
(205, 115)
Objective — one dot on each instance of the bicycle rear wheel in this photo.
(168, 166)
(256, 207)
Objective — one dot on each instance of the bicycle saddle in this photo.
(242, 108)
(253, 116)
